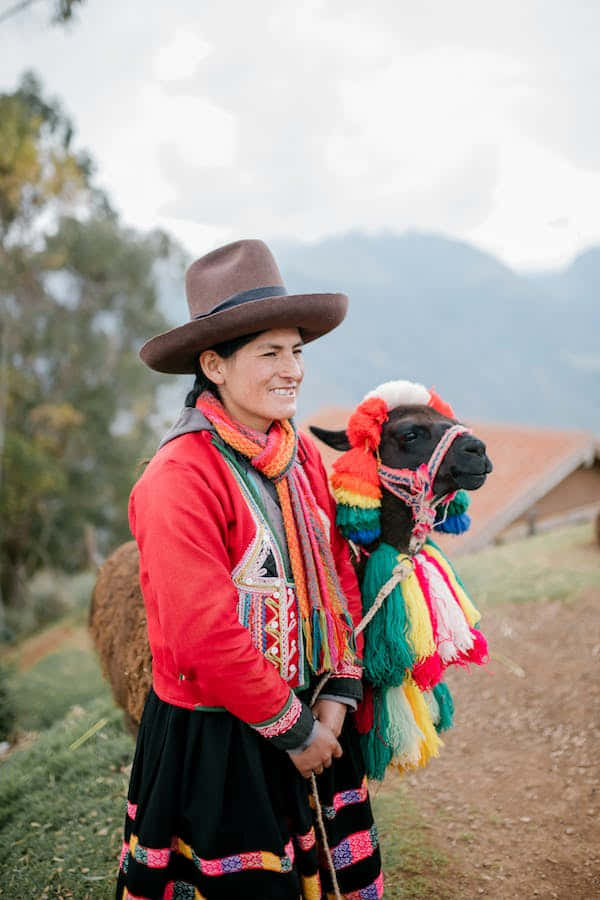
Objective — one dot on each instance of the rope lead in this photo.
(400, 572)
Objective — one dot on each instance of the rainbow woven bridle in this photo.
(415, 487)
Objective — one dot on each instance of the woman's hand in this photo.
(320, 753)
(331, 713)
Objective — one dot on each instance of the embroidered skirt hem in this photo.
(215, 812)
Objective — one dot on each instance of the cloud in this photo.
(393, 142)
(280, 119)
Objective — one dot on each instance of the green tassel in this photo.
(445, 703)
(377, 753)
(432, 706)
(387, 653)
(355, 518)
(362, 526)
(459, 504)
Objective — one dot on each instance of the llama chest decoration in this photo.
(406, 467)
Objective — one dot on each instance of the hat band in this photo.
(259, 293)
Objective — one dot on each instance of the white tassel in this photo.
(454, 635)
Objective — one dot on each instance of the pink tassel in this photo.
(428, 672)
(478, 654)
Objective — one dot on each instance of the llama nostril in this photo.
(475, 446)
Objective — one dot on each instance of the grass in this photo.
(45, 693)
(559, 565)
(63, 809)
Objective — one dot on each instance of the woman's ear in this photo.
(212, 366)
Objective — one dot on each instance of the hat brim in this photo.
(175, 352)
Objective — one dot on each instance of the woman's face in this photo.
(260, 382)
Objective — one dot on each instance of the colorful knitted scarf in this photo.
(326, 623)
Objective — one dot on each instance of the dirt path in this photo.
(33, 649)
(514, 798)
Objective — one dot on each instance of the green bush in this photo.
(50, 595)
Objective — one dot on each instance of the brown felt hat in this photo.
(233, 291)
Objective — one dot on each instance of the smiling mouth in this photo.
(284, 392)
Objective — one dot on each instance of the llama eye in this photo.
(410, 436)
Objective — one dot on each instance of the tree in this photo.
(78, 295)
(62, 10)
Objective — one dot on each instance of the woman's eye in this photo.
(298, 352)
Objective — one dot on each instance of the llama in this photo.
(414, 423)
(418, 619)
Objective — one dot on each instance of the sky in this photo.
(474, 119)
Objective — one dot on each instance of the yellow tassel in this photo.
(420, 633)
(350, 498)
(432, 742)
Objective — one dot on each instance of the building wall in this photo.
(576, 498)
(581, 488)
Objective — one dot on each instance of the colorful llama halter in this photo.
(415, 487)
(326, 622)
(359, 474)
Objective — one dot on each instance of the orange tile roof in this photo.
(528, 462)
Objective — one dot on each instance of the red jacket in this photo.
(194, 528)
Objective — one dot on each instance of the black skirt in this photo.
(214, 811)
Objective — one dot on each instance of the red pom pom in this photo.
(356, 471)
(436, 402)
(364, 425)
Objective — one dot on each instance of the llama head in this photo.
(396, 429)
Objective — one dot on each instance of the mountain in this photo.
(497, 344)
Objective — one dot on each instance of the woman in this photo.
(250, 597)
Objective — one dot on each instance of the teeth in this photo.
(285, 392)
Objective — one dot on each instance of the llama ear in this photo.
(336, 439)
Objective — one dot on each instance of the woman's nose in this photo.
(291, 367)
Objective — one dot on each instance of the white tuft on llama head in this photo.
(401, 393)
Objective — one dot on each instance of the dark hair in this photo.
(225, 349)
